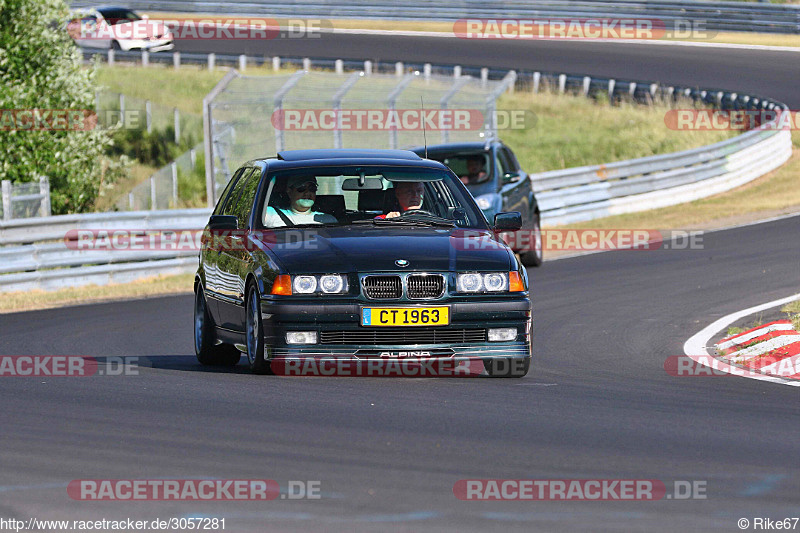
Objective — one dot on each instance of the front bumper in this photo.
(337, 324)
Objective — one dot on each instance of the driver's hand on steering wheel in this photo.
(393, 214)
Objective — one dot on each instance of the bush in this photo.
(41, 68)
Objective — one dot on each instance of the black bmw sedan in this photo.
(358, 255)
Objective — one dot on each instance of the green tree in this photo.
(41, 68)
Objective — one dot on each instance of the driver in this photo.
(409, 196)
(302, 192)
(475, 170)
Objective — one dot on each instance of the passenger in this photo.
(409, 196)
(475, 170)
(302, 192)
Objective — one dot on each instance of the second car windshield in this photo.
(119, 16)
(345, 196)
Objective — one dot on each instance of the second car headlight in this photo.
(489, 282)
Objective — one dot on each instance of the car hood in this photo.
(375, 249)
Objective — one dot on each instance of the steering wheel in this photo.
(416, 211)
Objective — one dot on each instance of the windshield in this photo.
(368, 195)
(119, 16)
(473, 168)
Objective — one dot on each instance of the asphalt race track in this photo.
(767, 73)
(597, 403)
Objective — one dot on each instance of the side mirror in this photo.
(511, 177)
(508, 221)
(223, 222)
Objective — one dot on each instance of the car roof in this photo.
(347, 157)
(305, 155)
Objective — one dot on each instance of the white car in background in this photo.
(118, 28)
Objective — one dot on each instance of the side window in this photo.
(231, 201)
(244, 205)
(512, 160)
(225, 196)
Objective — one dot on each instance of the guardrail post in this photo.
(562, 83)
(110, 57)
(426, 72)
(122, 108)
(398, 69)
(174, 166)
(484, 77)
(6, 200)
(337, 106)
(44, 190)
(176, 60)
(587, 83)
(368, 68)
(130, 200)
(339, 66)
(145, 58)
(457, 71)
(153, 193)
(193, 157)
(306, 63)
(537, 79)
(632, 89)
(276, 63)
(242, 62)
(719, 96)
(212, 57)
(176, 118)
(611, 86)
(148, 115)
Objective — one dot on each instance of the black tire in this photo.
(209, 353)
(254, 334)
(535, 257)
(507, 367)
(115, 46)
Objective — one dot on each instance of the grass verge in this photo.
(793, 312)
(13, 302)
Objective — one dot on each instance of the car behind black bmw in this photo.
(358, 255)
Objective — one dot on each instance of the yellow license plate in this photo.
(405, 316)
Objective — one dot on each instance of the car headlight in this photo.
(304, 284)
(489, 282)
(332, 283)
(310, 284)
(484, 202)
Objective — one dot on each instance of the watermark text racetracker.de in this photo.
(582, 29)
(191, 490)
(41, 119)
(73, 366)
(313, 120)
(577, 490)
(732, 120)
(204, 28)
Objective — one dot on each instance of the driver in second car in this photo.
(409, 196)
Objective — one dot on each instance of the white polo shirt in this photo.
(273, 220)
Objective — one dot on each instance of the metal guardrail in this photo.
(36, 255)
(731, 16)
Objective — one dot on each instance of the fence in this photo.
(24, 200)
(119, 110)
(241, 112)
(731, 16)
(163, 189)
